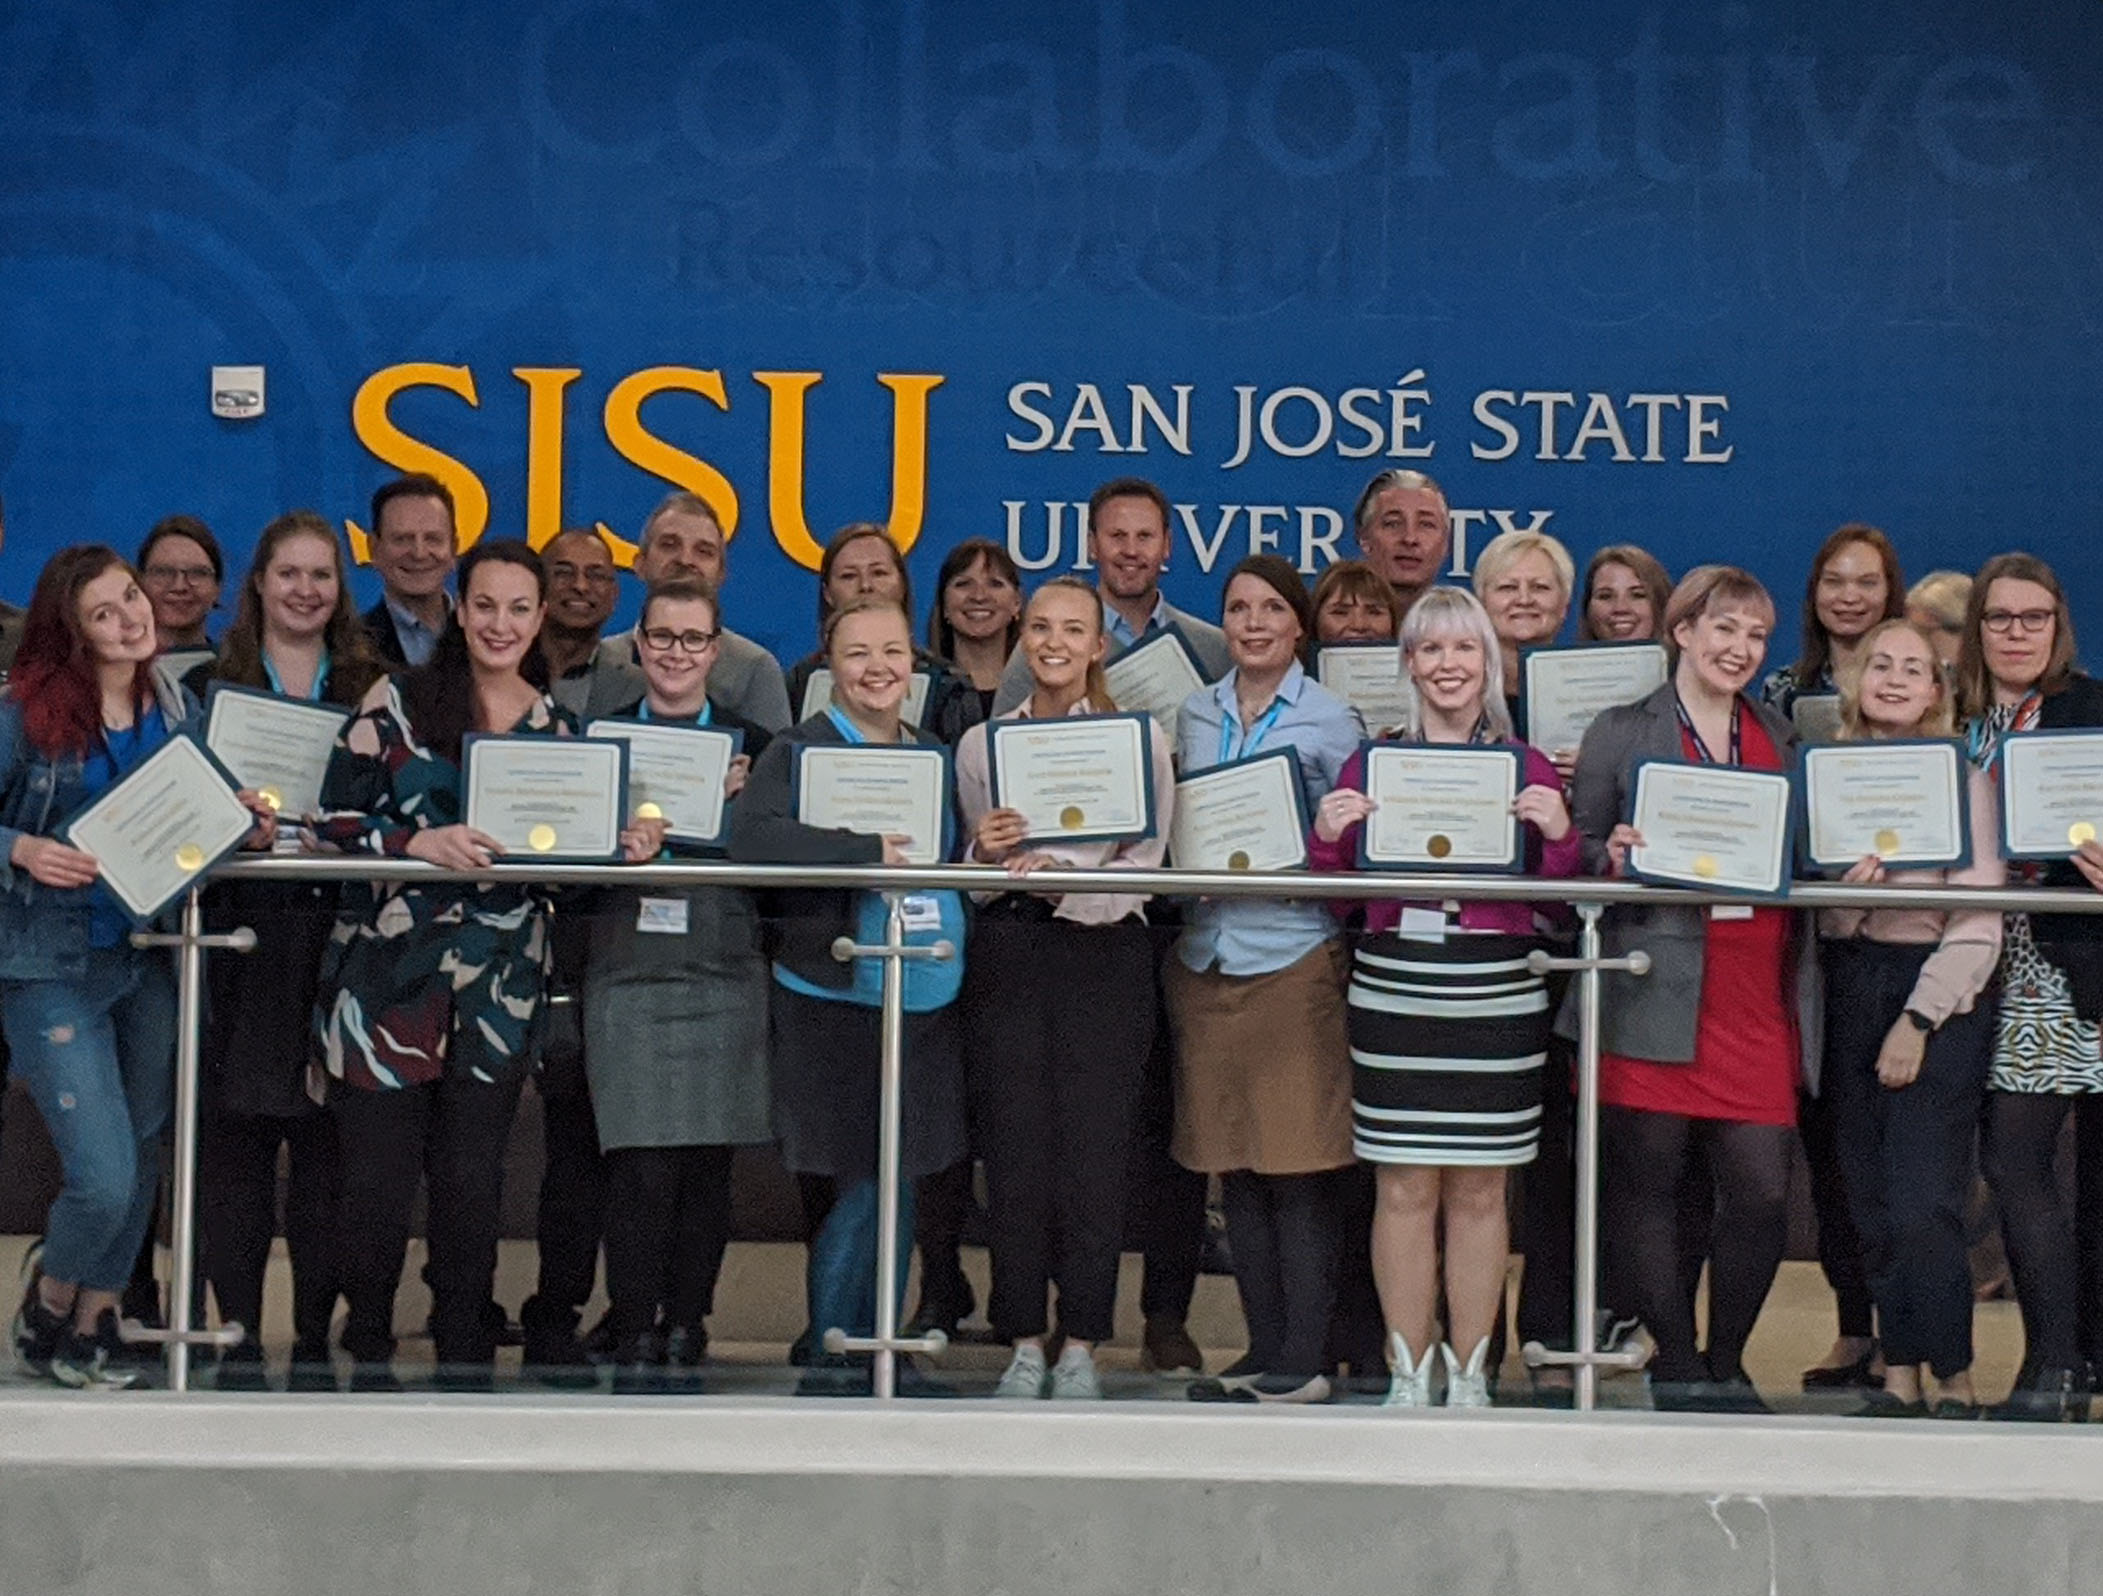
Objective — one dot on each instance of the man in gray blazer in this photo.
(682, 537)
(1128, 543)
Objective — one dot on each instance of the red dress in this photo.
(1745, 1049)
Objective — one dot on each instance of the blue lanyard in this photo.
(642, 712)
(277, 686)
(843, 725)
(1701, 749)
(1230, 729)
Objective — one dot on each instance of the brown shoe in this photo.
(1168, 1349)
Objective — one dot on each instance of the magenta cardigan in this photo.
(1551, 860)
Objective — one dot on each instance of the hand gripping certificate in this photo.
(1712, 826)
(1247, 815)
(274, 746)
(1902, 801)
(675, 773)
(879, 791)
(1154, 677)
(1082, 778)
(1368, 677)
(2051, 792)
(1563, 690)
(547, 798)
(171, 819)
(1440, 807)
(817, 693)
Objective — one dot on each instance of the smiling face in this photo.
(1062, 635)
(678, 646)
(1406, 536)
(1128, 541)
(1347, 617)
(413, 546)
(871, 656)
(2019, 624)
(1263, 633)
(1450, 670)
(179, 581)
(1851, 592)
(979, 602)
(1621, 607)
(1723, 647)
(500, 612)
(1901, 682)
(1527, 601)
(116, 619)
(297, 589)
(582, 582)
(865, 567)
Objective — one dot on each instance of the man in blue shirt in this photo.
(413, 548)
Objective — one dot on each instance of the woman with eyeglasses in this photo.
(2016, 674)
(181, 568)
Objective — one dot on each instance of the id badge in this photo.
(1731, 911)
(1422, 925)
(922, 912)
(662, 917)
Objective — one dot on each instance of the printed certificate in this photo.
(1441, 807)
(274, 746)
(878, 791)
(675, 773)
(2051, 792)
(551, 798)
(1563, 690)
(1155, 677)
(1903, 801)
(1712, 826)
(1369, 677)
(157, 830)
(1081, 778)
(1250, 814)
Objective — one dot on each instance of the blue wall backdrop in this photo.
(1715, 278)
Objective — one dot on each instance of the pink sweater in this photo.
(1514, 918)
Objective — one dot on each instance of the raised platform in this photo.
(466, 1495)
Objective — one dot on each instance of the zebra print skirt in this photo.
(1448, 1045)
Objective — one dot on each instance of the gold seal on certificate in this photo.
(1249, 814)
(878, 790)
(1154, 677)
(817, 693)
(1369, 677)
(1563, 690)
(2051, 792)
(676, 773)
(1712, 826)
(1901, 800)
(554, 797)
(1443, 805)
(1080, 778)
(278, 747)
(173, 816)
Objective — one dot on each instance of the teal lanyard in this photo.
(846, 728)
(642, 712)
(277, 686)
(1230, 729)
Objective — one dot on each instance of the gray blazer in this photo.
(745, 679)
(1656, 1016)
(1207, 641)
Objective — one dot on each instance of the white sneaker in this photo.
(1073, 1376)
(1409, 1383)
(1466, 1384)
(1024, 1380)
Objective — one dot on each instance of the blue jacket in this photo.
(44, 930)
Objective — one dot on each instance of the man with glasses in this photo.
(414, 550)
(583, 585)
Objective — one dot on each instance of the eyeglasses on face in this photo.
(179, 575)
(663, 638)
(591, 575)
(2002, 622)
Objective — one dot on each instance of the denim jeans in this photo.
(841, 1276)
(98, 1056)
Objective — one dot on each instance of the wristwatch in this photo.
(1921, 1022)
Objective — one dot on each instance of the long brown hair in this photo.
(55, 679)
(1936, 723)
(1817, 643)
(1974, 684)
(354, 665)
(440, 695)
(1096, 688)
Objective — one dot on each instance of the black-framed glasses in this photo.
(663, 638)
(2002, 622)
(177, 575)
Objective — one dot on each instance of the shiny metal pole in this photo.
(886, 1344)
(189, 944)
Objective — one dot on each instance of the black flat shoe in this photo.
(1951, 1408)
(1881, 1404)
(1847, 1376)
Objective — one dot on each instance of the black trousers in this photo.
(237, 1210)
(1168, 1221)
(1283, 1229)
(1645, 1156)
(1060, 1018)
(452, 1133)
(2055, 1253)
(667, 1225)
(1842, 1250)
(1906, 1153)
(573, 1184)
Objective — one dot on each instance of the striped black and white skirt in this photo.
(1449, 1041)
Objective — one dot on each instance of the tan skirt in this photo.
(1263, 1067)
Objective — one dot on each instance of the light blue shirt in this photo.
(1120, 629)
(419, 642)
(1255, 936)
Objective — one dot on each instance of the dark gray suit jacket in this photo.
(1656, 1016)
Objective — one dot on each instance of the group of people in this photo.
(1361, 1076)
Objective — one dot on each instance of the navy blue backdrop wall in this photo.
(1714, 278)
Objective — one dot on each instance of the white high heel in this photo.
(1467, 1386)
(1409, 1382)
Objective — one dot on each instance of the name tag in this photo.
(1731, 911)
(923, 913)
(1422, 925)
(662, 917)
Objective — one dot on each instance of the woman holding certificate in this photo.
(1701, 1057)
(1448, 1028)
(90, 1020)
(297, 636)
(2016, 674)
(1255, 993)
(1908, 1044)
(1059, 997)
(840, 789)
(429, 996)
(861, 562)
(675, 1020)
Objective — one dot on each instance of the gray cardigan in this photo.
(1207, 641)
(1656, 1016)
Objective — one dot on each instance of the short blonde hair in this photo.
(1449, 610)
(1712, 587)
(1944, 595)
(1507, 549)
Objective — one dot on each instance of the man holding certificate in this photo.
(1059, 997)
(1448, 1028)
